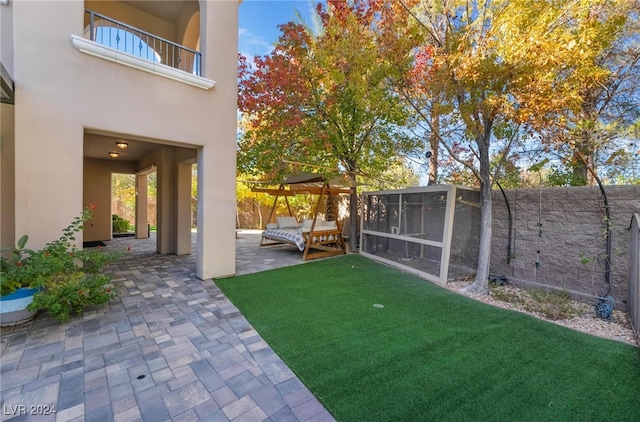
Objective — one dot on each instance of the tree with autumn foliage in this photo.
(595, 135)
(485, 67)
(322, 98)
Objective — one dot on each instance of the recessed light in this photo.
(113, 154)
(122, 145)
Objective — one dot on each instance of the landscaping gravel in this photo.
(583, 316)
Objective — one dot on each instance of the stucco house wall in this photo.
(63, 94)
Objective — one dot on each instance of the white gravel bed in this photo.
(618, 328)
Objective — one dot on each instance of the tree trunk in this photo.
(434, 139)
(481, 283)
(585, 146)
(353, 216)
(580, 171)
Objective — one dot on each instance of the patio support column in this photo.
(142, 206)
(216, 214)
(183, 205)
(217, 159)
(166, 224)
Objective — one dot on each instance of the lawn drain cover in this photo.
(377, 305)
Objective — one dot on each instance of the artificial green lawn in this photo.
(429, 354)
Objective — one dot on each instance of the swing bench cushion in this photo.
(287, 223)
(294, 232)
(320, 225)
(286, 229)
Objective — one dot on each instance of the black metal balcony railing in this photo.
(130, 40)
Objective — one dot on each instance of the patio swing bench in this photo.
(314, 237)
(323, 239)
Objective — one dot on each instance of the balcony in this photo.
(119, 42)
(122, 37)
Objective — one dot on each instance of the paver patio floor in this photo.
(171, 347)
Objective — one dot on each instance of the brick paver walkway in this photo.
(172, 347)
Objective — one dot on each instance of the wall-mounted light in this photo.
(122, 145)
(113, 154)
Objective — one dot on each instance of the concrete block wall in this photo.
(563, 231)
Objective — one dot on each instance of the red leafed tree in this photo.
(324, 99)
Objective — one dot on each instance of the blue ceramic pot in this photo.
(13, 307)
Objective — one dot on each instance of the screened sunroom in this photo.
(431, 231)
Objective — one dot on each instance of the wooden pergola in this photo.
(319, 241)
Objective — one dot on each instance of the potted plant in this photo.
(59, 277)
(15, 293)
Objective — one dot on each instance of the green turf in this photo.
(429, 354)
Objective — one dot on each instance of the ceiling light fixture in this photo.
(113, 154)
(122, 145)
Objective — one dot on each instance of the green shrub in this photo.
(72, 294)
(120, 225)
(67, 278)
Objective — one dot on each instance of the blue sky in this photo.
(259, 20)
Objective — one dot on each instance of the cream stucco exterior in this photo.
(67, 101)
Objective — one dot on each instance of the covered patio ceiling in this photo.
(98, 145)
(168, 10)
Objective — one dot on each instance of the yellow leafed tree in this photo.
(488, 64)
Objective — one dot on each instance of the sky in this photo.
(259, 20)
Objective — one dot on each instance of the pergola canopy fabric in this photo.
(303, 182)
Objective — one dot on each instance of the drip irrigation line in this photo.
(506, 200)
(607, 215)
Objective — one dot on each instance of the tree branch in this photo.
(440, 140)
